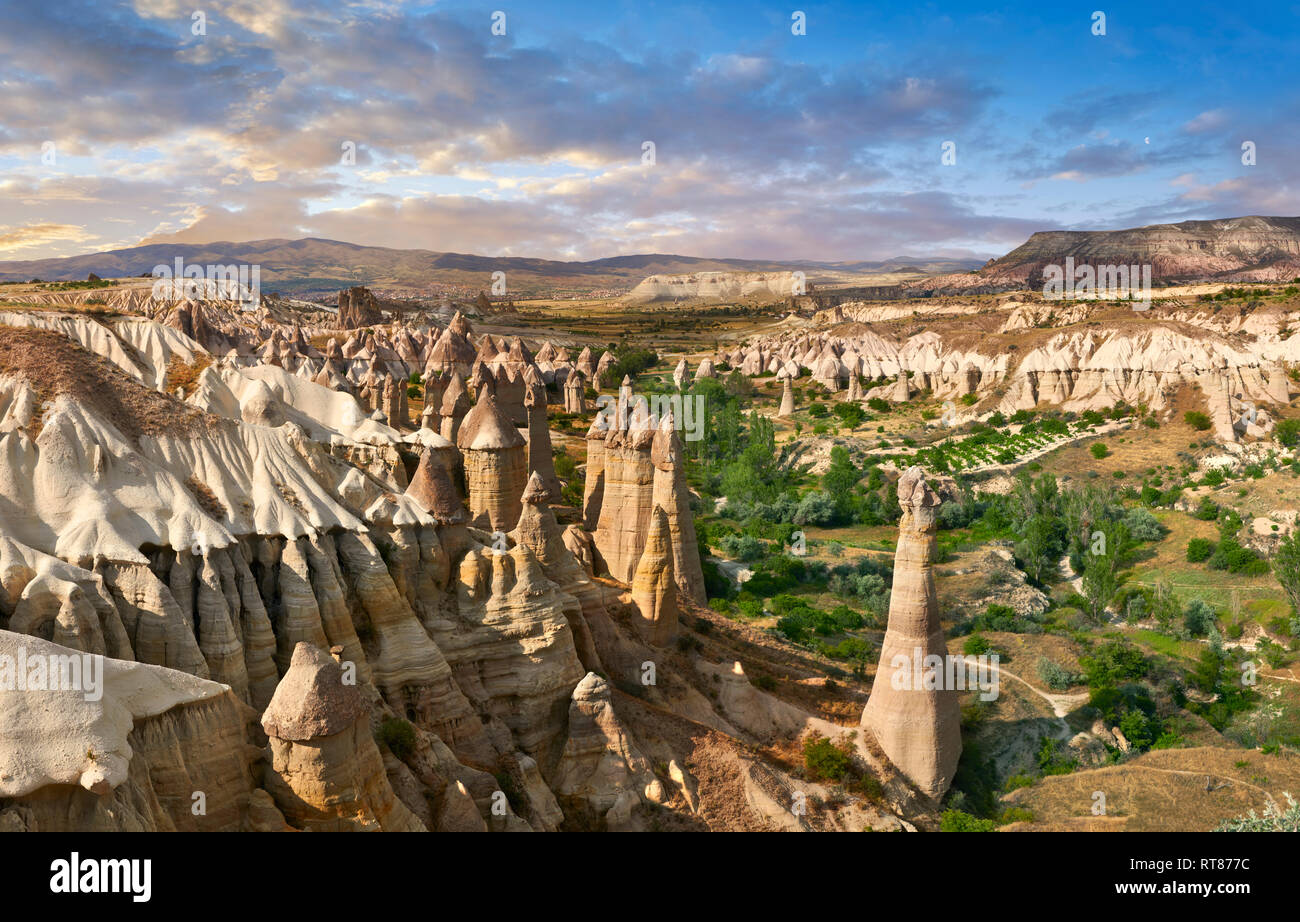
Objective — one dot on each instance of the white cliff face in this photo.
(715, 286)
(1082, 366)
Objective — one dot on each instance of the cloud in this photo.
(18, 241)
(529, 144)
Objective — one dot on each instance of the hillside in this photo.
(312, 266)
(1248, 249)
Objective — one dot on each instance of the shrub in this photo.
(975, 645)
(1287, 431)
(398, 735)
(816, 508)
(1142, 525)
(1231, 556)
(1199, 549)
(1056, 677)
(851, 413)
(1099, 450)
(1207, 511)
(1273, 820)
(959, 821)
(1198, 618)
(825, 760)
(1197, 420)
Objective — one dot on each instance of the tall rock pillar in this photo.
(541, 461)
(670, 493)
(919, 728)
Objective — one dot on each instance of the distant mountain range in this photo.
(313, 266)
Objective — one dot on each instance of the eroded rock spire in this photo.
(919, 728)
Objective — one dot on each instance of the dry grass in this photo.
(185, 375)
(1164, 790)
(206, 499)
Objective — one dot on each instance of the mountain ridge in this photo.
(311, 265)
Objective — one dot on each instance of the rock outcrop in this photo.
(601, 768)
(358, 308)
(98, 744)
(326, 773)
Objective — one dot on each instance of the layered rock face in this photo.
(125, 747)
(225, 565)
(1237, 249)
(919, 728)
(214, 549)
(1145, 361)
(714, 286)
(326, 773)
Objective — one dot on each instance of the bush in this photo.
(1099, 450)
(959, 821)
(851, 413)
(1142, 525)
(1198, 618)
(398, 735)
(1199, 550)
(742, 547)
(1231, 556)
(1287, 431)
(825, 760)
(1054, 676)
(816, 508)
(975, 645)
(1197, 420)
(1273, 820)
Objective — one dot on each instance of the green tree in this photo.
(1039, 547)
(1102, 562)
(1286, 567)
(840, 480)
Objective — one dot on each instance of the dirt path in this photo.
(1061, 704)
(1074, 579)
(1178, 771)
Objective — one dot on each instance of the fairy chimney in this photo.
(574, 394)
(787, 397)
(496, 465)
(541, 461)
(654, 589)
(919, 729)
(455, 404)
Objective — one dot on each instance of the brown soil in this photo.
(54, 366)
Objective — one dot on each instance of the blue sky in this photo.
(822, 146)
